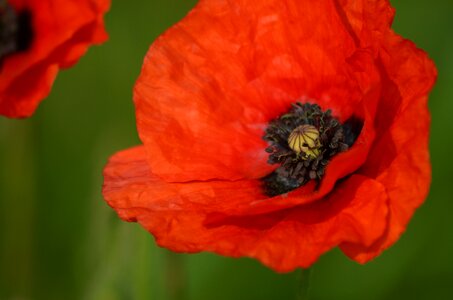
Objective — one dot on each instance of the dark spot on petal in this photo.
(352, 128)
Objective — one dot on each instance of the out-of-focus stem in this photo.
(303, 284)
(175, 281)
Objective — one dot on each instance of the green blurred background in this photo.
(59, 240)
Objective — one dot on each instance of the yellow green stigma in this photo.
(305, 139)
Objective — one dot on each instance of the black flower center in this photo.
(303, 141)
(16, 32)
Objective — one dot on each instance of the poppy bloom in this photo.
(37, 38)
(278, 130)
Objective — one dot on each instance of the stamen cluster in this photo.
(298, 167)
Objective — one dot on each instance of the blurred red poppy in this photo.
(278, 130)
(38, 37)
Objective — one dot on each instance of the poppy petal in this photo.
(268, 55)
(181, 219)
(367, 20)
(400, 158)
(129, 167)
(60, 37)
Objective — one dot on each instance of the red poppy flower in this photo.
(278, 130)
(37, 38)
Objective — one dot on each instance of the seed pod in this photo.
(305, 139)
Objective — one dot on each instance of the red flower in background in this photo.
(340, 100)
(38, 37)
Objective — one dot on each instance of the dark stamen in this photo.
(303, 141)
(16, 32)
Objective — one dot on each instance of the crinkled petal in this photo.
(400, 158)
(130, 167)
(367, 20)
(181, 220)
(62, 32)
(211, 83)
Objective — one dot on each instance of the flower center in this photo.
(15, 30)
(303, 141)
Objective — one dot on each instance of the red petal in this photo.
(60, 37)
(210, 84)
(182, 216)
(367, 20)
(400, 158)
(129, 168)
